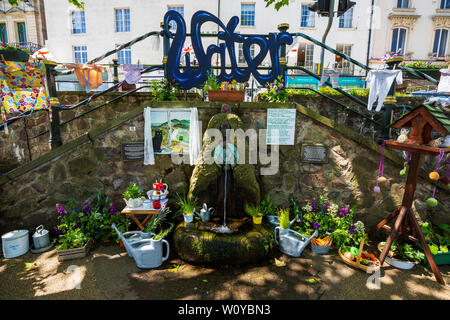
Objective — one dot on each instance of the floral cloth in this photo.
(23, 88)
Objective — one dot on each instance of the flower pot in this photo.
(320, 249)
(188, 218)
(440, 258)
(226, 95)
(14, 55)
(257, 220)
(434, 73)
(134, 203)
(399, 264)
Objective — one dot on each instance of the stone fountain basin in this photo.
(198, 242)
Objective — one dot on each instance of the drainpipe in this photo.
(330, 22)
(370, 33)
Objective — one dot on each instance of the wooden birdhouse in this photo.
(422, 120)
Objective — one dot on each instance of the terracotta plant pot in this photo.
(226, 95)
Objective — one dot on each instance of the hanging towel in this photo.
(333, 75)
(444, 82)
(195, 142)
(88, 76)
(379, 83)
(132, 73)
(149, 157)
(23, 88)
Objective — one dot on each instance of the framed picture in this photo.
(314, 153)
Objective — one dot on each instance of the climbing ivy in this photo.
(76, 3)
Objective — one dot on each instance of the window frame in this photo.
(82, 21)
(344, 19)
(403, 51)
(311, 16)
(123, 24)
(248, 17)
(171, 7)
(19, 33)
(400, 4)
(5, 32)
(445, 4)
(81, 53)
(123, 53)
(436, 54)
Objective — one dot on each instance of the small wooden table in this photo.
(149, 213)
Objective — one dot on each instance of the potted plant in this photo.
(437, 242)
(187, 207)
(225, 91)
(10, 53)
(254, 212)
(133, 196)
(269, 211)
(402, 255)
(429, 68)
(276, 91)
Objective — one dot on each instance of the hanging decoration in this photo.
(405, 169)
(380, 177)
(432, 202)
(23, 89)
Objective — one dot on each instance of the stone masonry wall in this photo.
(94, 165)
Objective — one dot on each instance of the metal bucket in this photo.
(41, 238)
(15, 243)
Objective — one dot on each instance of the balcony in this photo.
(32, 47)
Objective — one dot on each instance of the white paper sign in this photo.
(281, 126)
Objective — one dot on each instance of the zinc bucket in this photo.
(15, 243)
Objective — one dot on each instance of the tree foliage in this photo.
(76, 3)
(278, 3)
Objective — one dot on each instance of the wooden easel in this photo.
(405, 221)
(422, 123)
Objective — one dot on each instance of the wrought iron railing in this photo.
(31, 46)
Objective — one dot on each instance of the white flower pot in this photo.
(134, 203)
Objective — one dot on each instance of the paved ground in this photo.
(108, 273)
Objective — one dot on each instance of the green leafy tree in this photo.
(76, 3)
(278, 3)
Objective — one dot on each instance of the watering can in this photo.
(41, 238)
(148, 253)
(132, 237)
(291, 242)
(205, 212)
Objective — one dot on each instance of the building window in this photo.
(247, 14)
(440, 43)
(305, 56)
(78, 22)
(122, 20)
(402, 3)
(307, 17)
(80, 54)
(180, 10)
(346, 20)
(124, 55)
(398, 40)
(3, 33)
(241, 58)
(343, 64)
(445, 4)
(21, 33)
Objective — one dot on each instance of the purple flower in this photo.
(351, 231)
(58, 231)
(78, 225)
(87, 208)
(112, 210)
(60, 210)
(316, 225)
(344, 211)
(314, 205)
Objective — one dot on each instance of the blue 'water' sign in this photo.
(191, 77)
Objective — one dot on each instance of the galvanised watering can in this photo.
(205, 212)
(148, 253)
(41, 238)
(291, 242)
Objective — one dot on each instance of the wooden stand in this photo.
(132, 212)
(405, 221)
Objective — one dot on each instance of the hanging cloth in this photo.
(132, 73)
(23, 88)
(88, 76)
(149, 157)
(379, 83)
(195, 143)
(444, 82)
(333, 75)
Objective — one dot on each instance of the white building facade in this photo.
(76, 35)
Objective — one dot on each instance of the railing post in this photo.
(55, 139)
(283, 27)
(166, 45)
(389, 103)
(115, 71)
